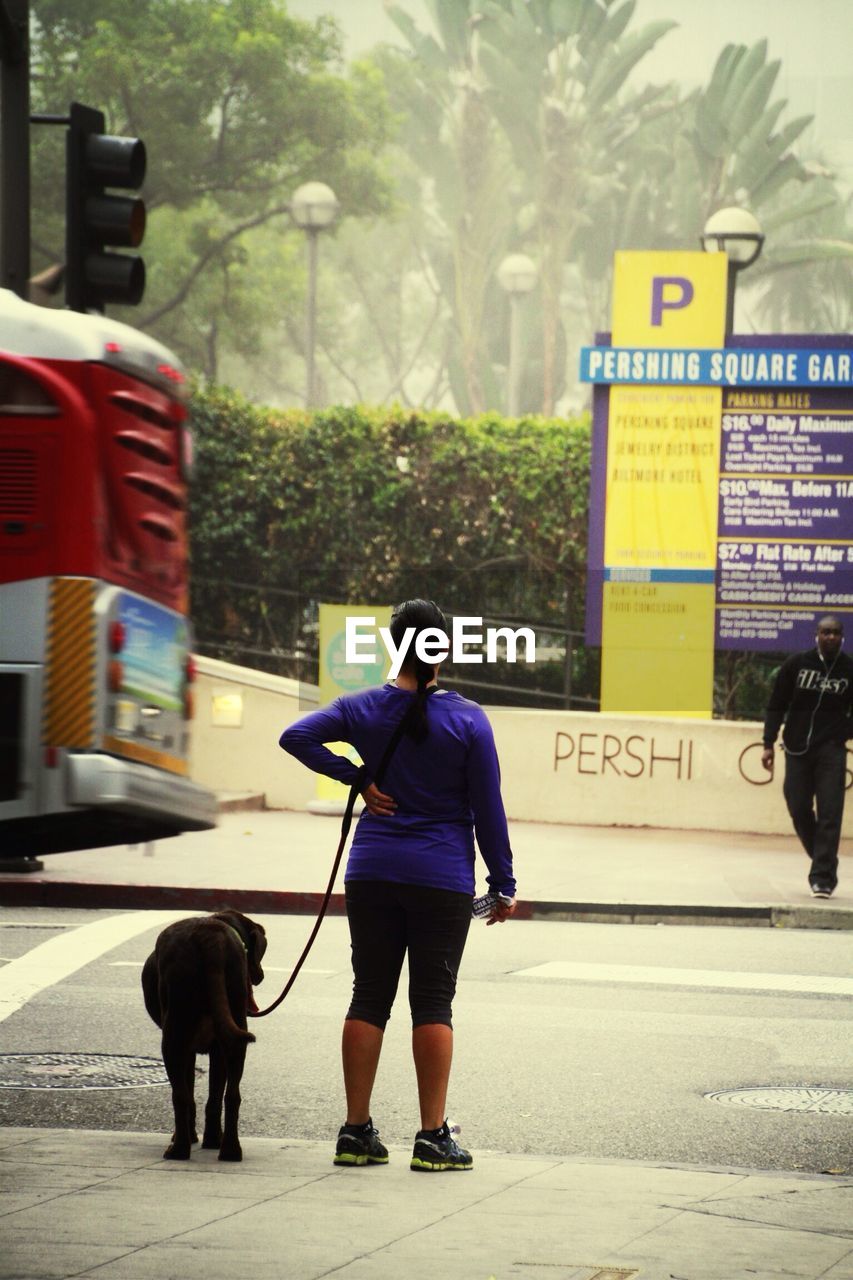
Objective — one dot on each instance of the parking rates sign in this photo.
(721, 486)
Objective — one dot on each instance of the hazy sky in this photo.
(813, 39)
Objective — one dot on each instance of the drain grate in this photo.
(79, 1071)
(540, 1270)
(817, 1099)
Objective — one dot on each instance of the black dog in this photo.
(197, 985)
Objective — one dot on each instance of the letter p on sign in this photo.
(669, 293)
(669, 299)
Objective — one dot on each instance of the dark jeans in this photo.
(387, 920)
(816, 780)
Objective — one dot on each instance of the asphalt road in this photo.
(608, 1051)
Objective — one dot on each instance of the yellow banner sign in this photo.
(663, 466)
(337, 676)
(663, 457)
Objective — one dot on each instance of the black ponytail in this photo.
(422, 615)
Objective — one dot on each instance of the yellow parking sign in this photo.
(337, 676)
(669, 299)
(663, 458)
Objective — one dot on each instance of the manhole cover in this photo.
(79, 1071)
(827, 1102)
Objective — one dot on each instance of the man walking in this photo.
(813, 694)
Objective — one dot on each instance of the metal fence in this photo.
(276, 629)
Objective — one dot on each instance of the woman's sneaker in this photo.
(359, 1144)
(436, 1150)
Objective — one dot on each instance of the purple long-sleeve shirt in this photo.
(446, 788)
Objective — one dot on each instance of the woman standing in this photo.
(410, 876)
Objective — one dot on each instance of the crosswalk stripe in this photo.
(579, 971)
(268, 968)
(52, 961)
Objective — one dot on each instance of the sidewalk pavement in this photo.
(107, 1205)
(267, 861)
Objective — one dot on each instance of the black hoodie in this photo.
(814, 697)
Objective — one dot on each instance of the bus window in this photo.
(21, 395)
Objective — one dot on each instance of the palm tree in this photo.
(458, 146)
(807, 277)
(557, 77)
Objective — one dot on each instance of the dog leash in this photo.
(356, 788)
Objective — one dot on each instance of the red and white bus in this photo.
(95, 659)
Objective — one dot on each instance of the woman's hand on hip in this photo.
(377, 802)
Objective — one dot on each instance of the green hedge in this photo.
(486, 515)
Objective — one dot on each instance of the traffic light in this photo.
(96, 219)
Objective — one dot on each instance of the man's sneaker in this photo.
(822, 891)
(436, 1150)
(359, 1144)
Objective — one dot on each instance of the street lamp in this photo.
(314, 207)
(517, 275)
(736, 233)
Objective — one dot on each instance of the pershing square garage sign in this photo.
(784, 538)
(721, 505)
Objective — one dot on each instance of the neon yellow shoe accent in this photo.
(437, 1166)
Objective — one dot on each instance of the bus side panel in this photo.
(146, 716)
(94, 729)
(94, 662)
(92, 481)
(70, 710)
(50, 504)
(140, 441)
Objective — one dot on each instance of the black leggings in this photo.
(386, 920)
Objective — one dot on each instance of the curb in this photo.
(240, 802)
(644, 913)
(772, 917)
(812, 918)
(33, 891)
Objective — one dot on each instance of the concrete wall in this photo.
(557, 766)
(575, 767)
(239, 716)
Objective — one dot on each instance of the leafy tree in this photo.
(238, 103)
(742, 683)
(546, 73)
(729, 143)
(600, 165)
(739, 151)
(806, 277)
(459, 147)
(557, 74)
(733, 146)
(516, 126)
